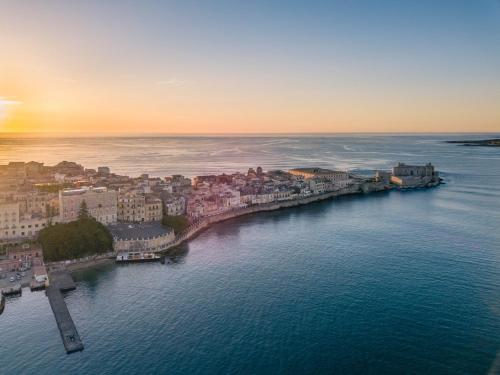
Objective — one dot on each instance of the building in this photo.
(8, 265)
(339, 178)
(137, 208)
(403, 170)
(103, 170)
(414, 175)
(25, 252)
(141, 237)
(308, 173)
(173, 206)
(9, 221)
(101, 204)
(153, 209)
(15, 226)
(131, 207)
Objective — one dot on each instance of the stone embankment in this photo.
(206, 222)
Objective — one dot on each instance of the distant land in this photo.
(483, 142)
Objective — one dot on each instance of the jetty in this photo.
(61, 281)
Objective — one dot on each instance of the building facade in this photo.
(137, 208)
(101, 204)
(141, 237)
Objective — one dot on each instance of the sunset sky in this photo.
(249, 66)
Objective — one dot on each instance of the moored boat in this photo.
(137, 256)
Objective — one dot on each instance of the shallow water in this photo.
(400, 282)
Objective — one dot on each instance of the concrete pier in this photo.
(71, 339)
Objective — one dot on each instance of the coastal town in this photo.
(144, 216)
(34, 196)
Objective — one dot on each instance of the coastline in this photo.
(199, 226)
(494, 142)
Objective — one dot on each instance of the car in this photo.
(23, 274)
(18, 277)
(12, 279)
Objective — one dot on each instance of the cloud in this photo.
(5, 101)
(174, 82)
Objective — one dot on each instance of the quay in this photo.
(61, 281)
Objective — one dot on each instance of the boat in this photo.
(2, 303)
(12, 290)
(137, 256)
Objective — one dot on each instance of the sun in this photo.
(6, 105)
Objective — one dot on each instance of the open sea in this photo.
(390, 283)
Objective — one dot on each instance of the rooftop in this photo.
(315, 170)
(128, 231)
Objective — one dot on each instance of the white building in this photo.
(101, 204)
(16, 227)
(175, 206)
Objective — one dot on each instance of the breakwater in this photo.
(59, 282)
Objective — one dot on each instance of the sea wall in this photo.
(206, 222)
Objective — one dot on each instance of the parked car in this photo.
(12, 279)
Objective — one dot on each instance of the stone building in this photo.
(408, 176)
(141, 237)
(153, 209)
(131, 207)
(9, 221)
(403, 170)
(136, 207)
(101, 204)
(339, 178)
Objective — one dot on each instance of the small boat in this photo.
(137, 256)
(2, 303)
(12, 290)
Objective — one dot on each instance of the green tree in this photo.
(83, 213)
(177, 223)
(76, 239)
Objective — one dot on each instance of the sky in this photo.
(249, 66)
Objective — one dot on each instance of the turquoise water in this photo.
(400, 282)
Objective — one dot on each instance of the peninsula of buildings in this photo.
(34, 196)
(43, 208)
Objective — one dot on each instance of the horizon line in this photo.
(229, 134)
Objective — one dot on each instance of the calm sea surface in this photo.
(400, 282)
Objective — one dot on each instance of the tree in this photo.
(177, 223)
(83, 213)
(76, 239)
